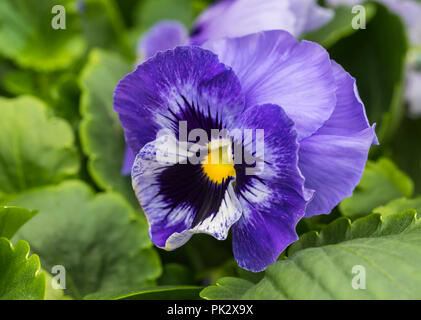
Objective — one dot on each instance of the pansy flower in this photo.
(311, 155)
(231, 18)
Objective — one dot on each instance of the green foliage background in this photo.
(64, 202)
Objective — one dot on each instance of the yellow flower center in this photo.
(218, 165)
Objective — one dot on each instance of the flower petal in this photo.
(162, 36)
(273, 67)
(410, 12)
(171, 195)
(349, 116)
(333, 160)
(309, 15)
(233, 18)
(168, 83)
(273, 199)
(413, 92)
(127, 161)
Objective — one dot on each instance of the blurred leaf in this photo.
(381, 182)
(97, 238)
(399, 205)
(320, 265)
(20, 82)
(150, 293)
(101, 134)
(59, 90)
(27, 36)
(64, 94)
(229, 269)
(103, 26)
(127, 9)
(226, 289)
(12, 219)
(405, 150)
(203, 254)
(20, 275)
(176, 274)
(150, 12)
(35, 149)
(5, 68)
(200, 5)
(376, 58)
(339, 27)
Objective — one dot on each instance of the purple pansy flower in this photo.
(232, 18)
(315, 143)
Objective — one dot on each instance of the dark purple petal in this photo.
(333, 159)
(162, 36)
(233, 18)
(172, 193)
(167, 85)
(273, 67)
(127, 161)
(273, 200)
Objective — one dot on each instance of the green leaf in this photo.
(381, 182)
(12, 219)
(151, 293)
(176, 274)
(339, 27)
(64, 94)
(103, 26)
(227, 288)
(150, 12)
(27, 36)
(320, 265)
(60, 91)
(399, 205)
(376, 57)
(52, 293)
(35, 149)
(20, 275)
(19, 82)
(405, 150)
(101, 134)
(99, 240)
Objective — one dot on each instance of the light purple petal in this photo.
(333, 159)
(233, 18)
(408, 10)
(273, 199)
(145, 98)
(273, 67)
(162, 36)
(413, 93)
(348, 3)
(333, 166)
(309, 15)
(349, 116)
